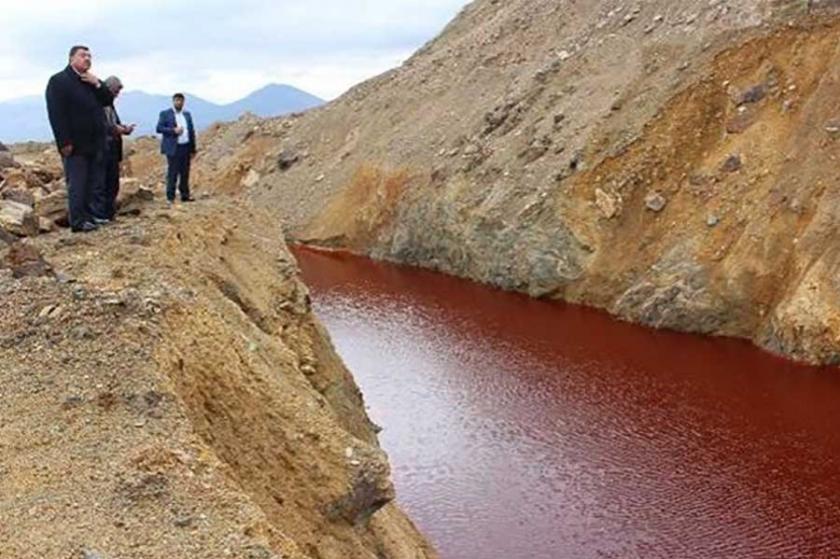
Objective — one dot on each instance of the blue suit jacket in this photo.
(166, 128)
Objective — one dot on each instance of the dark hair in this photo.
(77, 48)
(178, 96)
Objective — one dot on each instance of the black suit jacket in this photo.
(114, 141)
(76, 112)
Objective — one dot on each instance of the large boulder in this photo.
(55, 186)
(45, 174)
(53, 206)
(6, 239)
(7, 160)
(132, 196)
(19, 178)
(19, 195)
(18, 219)
(46, 225)
(25, 260)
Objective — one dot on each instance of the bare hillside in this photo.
(671, 162)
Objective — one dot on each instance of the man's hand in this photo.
(67, 150)
(192, 155)
(130, 128)
(178, 130)
(89, 77)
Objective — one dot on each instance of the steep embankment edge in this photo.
(205, 412)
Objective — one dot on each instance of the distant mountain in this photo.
(25, 118)
(274, 100)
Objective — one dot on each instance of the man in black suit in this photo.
(75, 104)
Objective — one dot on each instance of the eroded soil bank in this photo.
(166, 392)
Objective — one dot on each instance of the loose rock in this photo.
(607, 203)
(655, 202)
(732, 164)
(18, 219)
(287, 159)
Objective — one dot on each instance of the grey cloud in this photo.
(184, 44)
(288, 29)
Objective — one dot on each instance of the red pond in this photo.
(522, 429)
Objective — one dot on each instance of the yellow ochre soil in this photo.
(167, 393)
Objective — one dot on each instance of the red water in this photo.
(522, 429)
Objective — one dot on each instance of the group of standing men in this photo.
(89, 136)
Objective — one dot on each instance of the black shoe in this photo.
(85, 227)
(188, 199)
(101, 220)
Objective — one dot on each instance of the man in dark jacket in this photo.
(75, 101)
(177, 132)
(113, 149)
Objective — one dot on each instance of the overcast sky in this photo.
(219, 50)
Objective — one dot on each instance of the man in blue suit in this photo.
(177, 143)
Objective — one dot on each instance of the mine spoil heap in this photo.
(670, 162)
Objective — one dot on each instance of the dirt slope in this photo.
(670, 162)
(167, 392)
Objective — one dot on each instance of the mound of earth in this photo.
(167, 392)
(671, 162)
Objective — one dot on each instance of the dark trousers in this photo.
(179, 171)
(112, 184)
(85, 176)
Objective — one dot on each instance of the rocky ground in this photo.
(670, 162)
(167, 392)
(33, 196)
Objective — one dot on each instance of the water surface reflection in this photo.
(522, 429)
